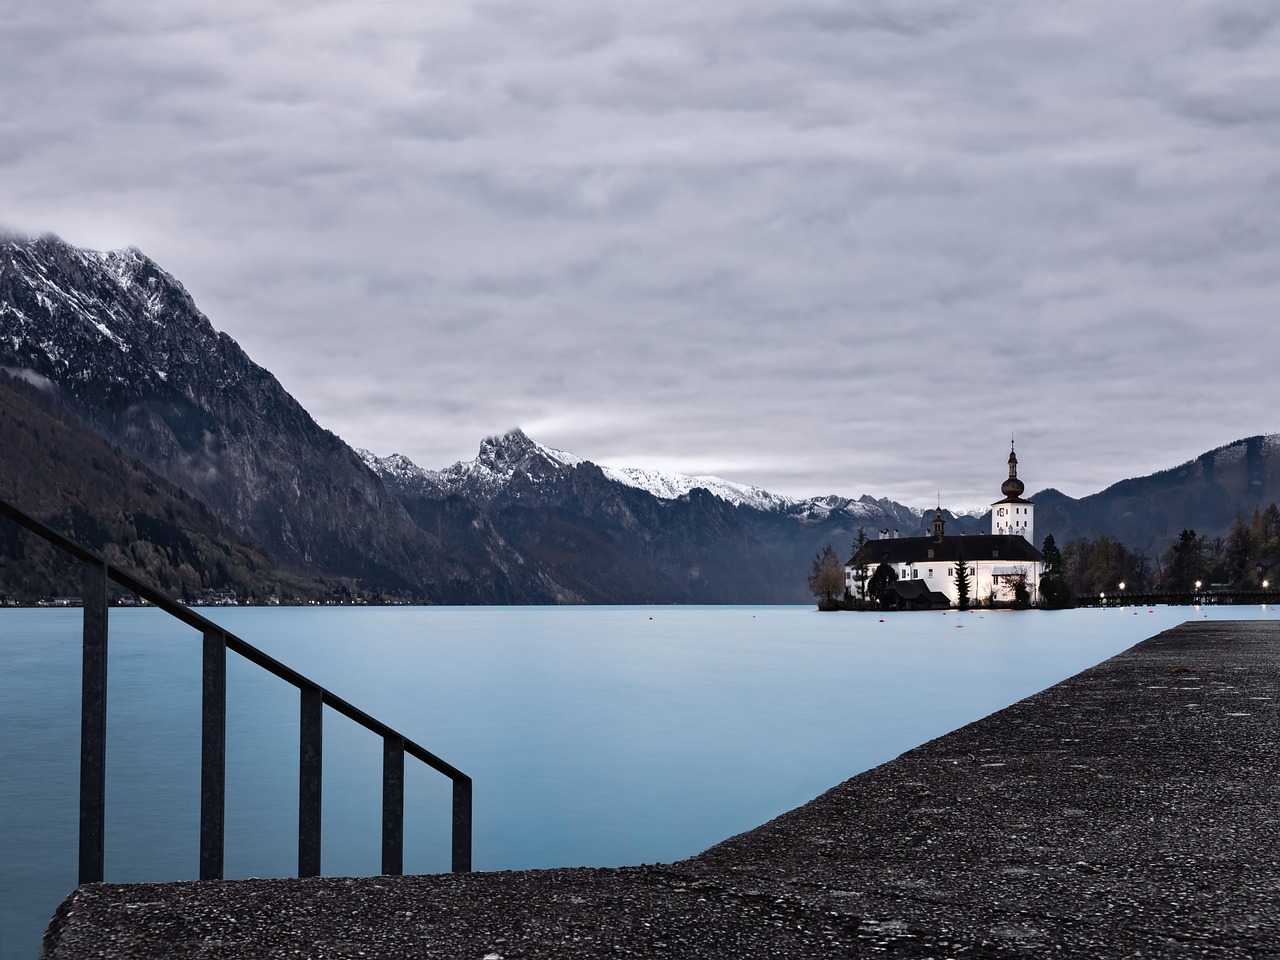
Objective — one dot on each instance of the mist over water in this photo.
(595, 735)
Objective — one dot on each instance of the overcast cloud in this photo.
(818, 246)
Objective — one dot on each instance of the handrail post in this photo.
(213, 755)
(93, 724)
(393, 806)
(310, 754)
(462, 825)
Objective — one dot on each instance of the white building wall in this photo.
(987, 578)
(1016, 518)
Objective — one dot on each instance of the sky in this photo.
(819, 246)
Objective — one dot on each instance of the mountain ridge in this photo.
(121, 345)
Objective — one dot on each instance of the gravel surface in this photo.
(1133, 810)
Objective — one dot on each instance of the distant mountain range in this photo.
(113, 348)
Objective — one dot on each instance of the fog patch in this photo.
(31, 377)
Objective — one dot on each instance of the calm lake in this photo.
(595, 735)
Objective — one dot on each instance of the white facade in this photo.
(991, 580)
(1015, 518)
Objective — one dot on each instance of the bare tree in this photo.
(826, 580)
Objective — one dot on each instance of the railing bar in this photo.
(93, 724)
(393, 806)
(234, 643)
(461, 859)
(310, 763)
(314, 698)
(213, 755)
(267, 662)
(434, 762)
(57, 539)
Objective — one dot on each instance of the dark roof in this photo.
(1013, 500)
(1011, 547)
(915, 591)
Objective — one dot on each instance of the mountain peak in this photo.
(515, 452)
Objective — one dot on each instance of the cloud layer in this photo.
(820, 246)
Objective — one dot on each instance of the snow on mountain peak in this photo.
(501, 458)
(514, 450)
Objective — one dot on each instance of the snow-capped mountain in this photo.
(121, 344)
(515, 456)
(501, 461)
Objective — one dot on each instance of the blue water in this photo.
(595, 735)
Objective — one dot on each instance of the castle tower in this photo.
(1013, 514)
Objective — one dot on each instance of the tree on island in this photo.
(881, 583)
(826, 579)
(860, 563)
(962, 582)
(1021, 592)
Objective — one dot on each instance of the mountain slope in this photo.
(661, 537)
(57, 470)
(1148, 513)
(125, 348)
(608, 542)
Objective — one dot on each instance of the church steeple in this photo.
(1013, 514)
(1013, 487)
(938, 522)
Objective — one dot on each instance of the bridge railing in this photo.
(217, 642)
(1179, 598)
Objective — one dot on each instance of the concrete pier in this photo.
(1132, 810)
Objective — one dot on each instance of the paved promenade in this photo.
(1131, 811)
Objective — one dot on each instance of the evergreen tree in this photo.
(1055, 592)
(1240, 549)
(881, 583)
(859, 561)
(962, 582)
(1185, 562)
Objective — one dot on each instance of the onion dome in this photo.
(1013, 487)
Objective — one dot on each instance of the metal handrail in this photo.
(314, 698)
